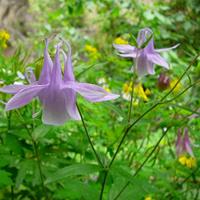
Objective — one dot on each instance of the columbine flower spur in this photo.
(145, 57)
(183, 144)
(56, 93)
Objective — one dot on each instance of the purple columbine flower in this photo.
(56, 93)
(183, 144)
(145, 58)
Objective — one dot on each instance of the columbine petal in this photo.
(157, 59)
(55, 107)
(91, 92)
(167, 49)
(24, 96)
(30, 76)
(186, 141)
(141, 65)
(71, 104)
(179, 143)
(12, 89)
(56, 74)
(124, 48)
(68, 72)
(46, 70)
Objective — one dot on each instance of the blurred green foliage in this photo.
(68, 165)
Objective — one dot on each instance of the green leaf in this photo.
(41, 131)
(5, 179)
(73, 170)
(75, 189)
(23, 168)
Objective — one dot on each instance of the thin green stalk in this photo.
(132, 90)
(103, 184)
(146, 112)
(150, 109)
(144, 162)
(89, 140)
(37, 155)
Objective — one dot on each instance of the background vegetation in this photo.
(62, 154)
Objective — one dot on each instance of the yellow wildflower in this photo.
(106, 88)
(182, 160)
(191, 162)
(127, 88)
(90, 49)
(178, 87)
(148, 198)
(138, 89)
(188, 162)
(120, 40)
(147, 92)
(4, 37)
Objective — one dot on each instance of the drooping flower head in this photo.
(184, 150)
(183, 145)
(144, 54)
(56, 92)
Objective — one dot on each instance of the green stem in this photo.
(144, 162)
(89, 140)
(37, 155)
(103, 184)
(150, 109)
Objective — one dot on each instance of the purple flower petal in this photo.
(55, 107)
(24, 96)
(124, 48)
(157, 59)
(179, 142)
(167, 49)
(30, 76)
(71, 104)
(186, 141)
(56, 74)
(143, 65)
(12, 89)
(91, 92)
(68, 72)
(47, 67)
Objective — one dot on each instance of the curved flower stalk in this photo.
(56, 93)
(147, 56)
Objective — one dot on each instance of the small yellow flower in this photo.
(106, 88)
(191, 162)
(182, 160)
(127, 88)
(147, 92)
(138, 89)
(148, 198)
(4, 37)
(177, 88)
(120, 40)
(90, 49)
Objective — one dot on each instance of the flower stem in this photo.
(150, 109)
(132, 90)
(89, 140)
(141, 117)
(144, 162)
(37, 155)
